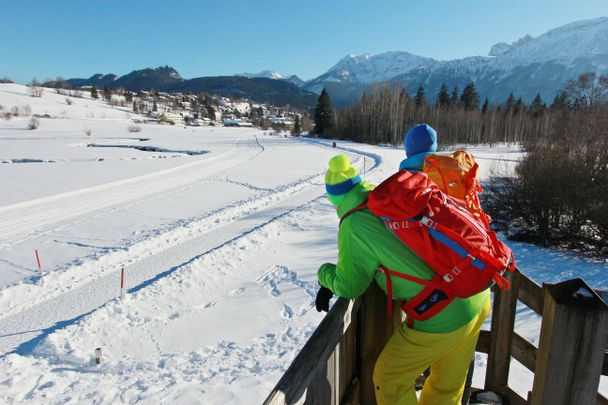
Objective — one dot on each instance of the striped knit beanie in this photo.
(340, 178)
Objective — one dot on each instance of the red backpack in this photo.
(465, 254)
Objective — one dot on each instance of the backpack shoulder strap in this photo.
(352, 211)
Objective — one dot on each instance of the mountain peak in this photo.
(268, 74)
(499, 49)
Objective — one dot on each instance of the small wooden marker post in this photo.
(98, 355)
(333, 145)
(39, 267)
(122, 283)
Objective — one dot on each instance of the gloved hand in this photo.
(322, 300)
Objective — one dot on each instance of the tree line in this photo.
(384, 115)
(557, 195)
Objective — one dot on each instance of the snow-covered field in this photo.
(220, 232)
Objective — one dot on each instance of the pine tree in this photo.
(94, 92)
(443, 98)
(470, 97)
(420, 98)
(519, 106)
(486, 105)
(454, 97)
(297, 128)
(560, 101)
(107, 93)
(325, 118)
(510, 103)
(135, 106)
(537, 108)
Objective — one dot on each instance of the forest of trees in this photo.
(384, 115)
(558, 193)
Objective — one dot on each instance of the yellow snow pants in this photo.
(409, 352)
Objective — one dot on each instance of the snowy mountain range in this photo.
(532, 65)
(526, 67)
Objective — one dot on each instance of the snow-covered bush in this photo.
(68, 101)
(87, 131)
(33, 123)
(134, 128)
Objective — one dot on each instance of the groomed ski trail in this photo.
(27, 324)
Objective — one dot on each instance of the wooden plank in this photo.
(312, 359)
(352, 393)
(322, 385)
(348, 349)
(376, 329)
(503, 321)
(530, 293)
(523, 351)
(573, 334)
(484, 341)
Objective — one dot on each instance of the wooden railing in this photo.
(336, 364)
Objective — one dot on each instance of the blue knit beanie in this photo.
(419, 139)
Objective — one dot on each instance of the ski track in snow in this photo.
(225, 360)
(90, 284)
(27, 219)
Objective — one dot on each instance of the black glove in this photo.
(322, 300)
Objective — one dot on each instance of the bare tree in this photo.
(35, 88)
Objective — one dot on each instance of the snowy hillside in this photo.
(549, 60)
(220, 232)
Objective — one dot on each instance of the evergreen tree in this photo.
(560, 101)
(454, 97)
(443, 98)
(470, 97)
(128, 96)
(154, 106)
(537, 108)
(420, 98)
(486, 105)
(107, 93)
(325, 118)
(94, 92)
(297, 128)
(135, 106)
(510, 103)
(519, 106)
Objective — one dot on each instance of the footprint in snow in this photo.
(238, 291)
(287, 312)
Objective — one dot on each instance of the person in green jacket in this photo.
(445, 342)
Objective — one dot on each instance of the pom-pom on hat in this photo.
(341, 177)
(420, 138)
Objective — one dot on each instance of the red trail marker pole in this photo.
(122, 283)
(39, 267)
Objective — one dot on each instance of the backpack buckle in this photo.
(428, 222)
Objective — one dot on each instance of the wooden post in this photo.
(503, 321)
(122, 283)
(376, 329)
(39, 268)
(573, 337)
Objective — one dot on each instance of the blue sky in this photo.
(72, 38)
